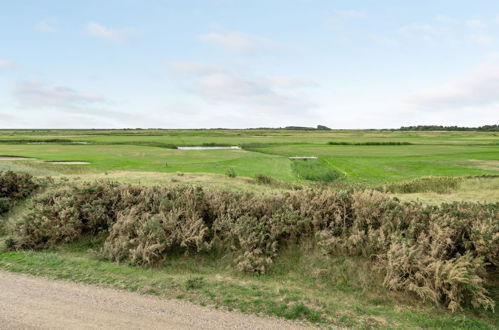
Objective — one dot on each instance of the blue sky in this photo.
(234, 63)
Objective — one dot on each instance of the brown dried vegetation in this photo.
(443, 254)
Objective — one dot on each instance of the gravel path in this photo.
(28, 302)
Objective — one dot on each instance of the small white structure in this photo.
(208, 148)
(303, 157)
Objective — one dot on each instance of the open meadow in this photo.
(366, 157)
(380, 229)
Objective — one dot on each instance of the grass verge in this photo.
(300, 286)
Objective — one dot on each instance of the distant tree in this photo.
(323, 128)
(485, 128)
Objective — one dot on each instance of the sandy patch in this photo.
(14, 158)
(68, 163)
(209, 148)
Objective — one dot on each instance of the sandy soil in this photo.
(14, 158)
(28, 302)
(68, 163)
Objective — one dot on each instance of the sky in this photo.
(241, 63)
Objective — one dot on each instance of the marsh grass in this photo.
(370, 143)
(314, 170)
(439, 185)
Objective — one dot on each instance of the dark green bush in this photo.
(15, 187)
(264, 179)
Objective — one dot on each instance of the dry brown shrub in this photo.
(440, 253)
(162, 220)
(450, 282)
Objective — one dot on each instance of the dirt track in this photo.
(28, 302)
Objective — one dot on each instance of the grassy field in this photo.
(436, 166)
(264, 152)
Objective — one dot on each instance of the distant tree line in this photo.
(485, 128)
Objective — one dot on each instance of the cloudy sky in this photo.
(242, 63)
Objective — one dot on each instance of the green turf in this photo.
(265, 152)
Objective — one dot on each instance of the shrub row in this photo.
(439, 253)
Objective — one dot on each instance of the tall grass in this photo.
(425, 184)
(369, 143)
(314, 170)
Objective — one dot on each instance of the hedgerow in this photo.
(440, 253)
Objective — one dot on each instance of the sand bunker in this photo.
(303, 157)
(208, 148)
(68, 163)
(14, 158)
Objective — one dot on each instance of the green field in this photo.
(301, 283)
(264, 152)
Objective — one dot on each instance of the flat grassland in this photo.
(367, 157)
(432, 167)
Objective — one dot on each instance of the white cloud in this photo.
(478, 89)
(46, 25)
(116, 35)
(38, 95)
(283, 81)
(422, 30)
(351, 13)
(217, 85)
(238, 42)
(444, 19)
(480, 31)
(6, 64)
(483, 39)
(195, 68)
(476, 23)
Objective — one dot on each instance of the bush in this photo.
(230, 172)
(15, 187)
(264, 179)
(160, 222)
(441, 253)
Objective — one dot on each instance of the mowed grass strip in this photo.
(298, 287)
